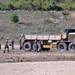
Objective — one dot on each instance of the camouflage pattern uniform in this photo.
(12, 43)
(20, 43)
(6, 46)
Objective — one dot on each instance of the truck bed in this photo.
(43, 37)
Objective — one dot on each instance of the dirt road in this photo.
(46, 63)
(38, 68)
(24, 56)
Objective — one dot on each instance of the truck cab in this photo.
(68, 39)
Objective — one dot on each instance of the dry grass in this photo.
(47, 22)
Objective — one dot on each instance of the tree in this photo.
(36, 4)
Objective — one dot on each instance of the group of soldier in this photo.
(7, 44)
(12, 43)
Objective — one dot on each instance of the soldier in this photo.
(20, 43)
(12, 43)
(6, 46)
(35, 46)
(22, 40)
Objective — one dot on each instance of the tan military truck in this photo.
(64, 41)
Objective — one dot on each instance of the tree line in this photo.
(37, 5)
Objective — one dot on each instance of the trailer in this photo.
(64, 41)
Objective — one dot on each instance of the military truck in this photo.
(62, 42)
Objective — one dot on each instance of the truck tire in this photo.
(62, 46)
(37, 47)
(27, 46)
(71, 47)
(34, 47)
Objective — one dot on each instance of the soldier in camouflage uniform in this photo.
(12, 43)
(6, 46)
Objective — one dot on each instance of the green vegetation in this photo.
(37, 4)
(14, 17)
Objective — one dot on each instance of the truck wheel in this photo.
(37, 47)
(62, 46)
(34, 47)
(71, 47)
(27, 46)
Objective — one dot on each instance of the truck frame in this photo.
(62, 42)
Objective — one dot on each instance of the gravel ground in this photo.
(46, 63)
(24, 56)
(38, 68)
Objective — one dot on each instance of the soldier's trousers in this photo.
(6, 47)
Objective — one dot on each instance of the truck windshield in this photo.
(69, 30)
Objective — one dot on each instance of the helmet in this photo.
(36, 38)
(12, 38)
(7, 38)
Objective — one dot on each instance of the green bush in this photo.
(37, 4)
(14, 17)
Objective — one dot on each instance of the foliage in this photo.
(14, 17)
(37, 4)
